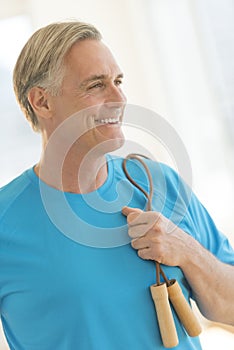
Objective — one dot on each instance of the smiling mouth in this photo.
(107, 121)
(109, 116)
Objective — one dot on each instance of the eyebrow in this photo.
(97, 77)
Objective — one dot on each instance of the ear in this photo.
(39, 101)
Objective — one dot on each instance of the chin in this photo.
(111, 145)
(109, 138)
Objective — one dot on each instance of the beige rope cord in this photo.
(149, 197)
(162, 292)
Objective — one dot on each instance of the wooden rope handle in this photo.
(164, 315)
(183, 310)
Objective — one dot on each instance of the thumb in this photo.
(127, 210)
(133, 211)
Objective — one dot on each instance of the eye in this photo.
(118, 82)
(96, 86)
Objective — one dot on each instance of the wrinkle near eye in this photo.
(96, 85)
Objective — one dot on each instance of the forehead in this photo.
(91, 57)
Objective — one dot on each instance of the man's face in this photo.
(91, 87)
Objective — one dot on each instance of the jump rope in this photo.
(169, 291)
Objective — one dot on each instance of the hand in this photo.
(156, 238)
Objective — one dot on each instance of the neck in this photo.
(78, 173)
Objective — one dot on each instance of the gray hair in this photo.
(41, 61)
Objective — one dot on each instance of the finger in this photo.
(141, 224)
(131, 213)
(132, 218)
(148, 218)
(137, 231)
(145, 253)
(127, 210)
(140, 243)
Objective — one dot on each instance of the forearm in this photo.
(212, 282)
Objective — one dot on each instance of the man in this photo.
(59, 288)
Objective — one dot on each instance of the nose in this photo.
(115, 94)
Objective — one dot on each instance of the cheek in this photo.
(90, 100)
(67, 105)
(61, 109)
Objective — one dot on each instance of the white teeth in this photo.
(108, 120)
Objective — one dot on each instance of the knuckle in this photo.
(141, 254)
(134, 243)
(157, 227)
(159, 256)
(131, 217)
(159, 259)
(156, 238)
(132, 232)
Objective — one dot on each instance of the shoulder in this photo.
(165, 179)
(162, 174)
(11, 192)
(136, 168)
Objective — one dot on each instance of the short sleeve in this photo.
(208, 234)
(190, 214)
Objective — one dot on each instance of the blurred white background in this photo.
(178, 60)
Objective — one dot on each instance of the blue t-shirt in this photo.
(69, 278)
